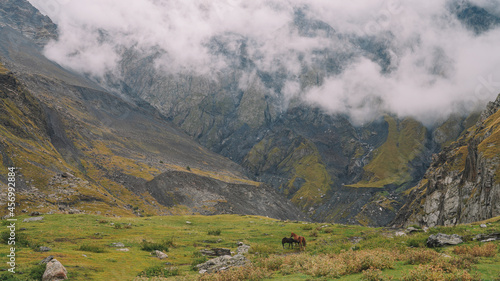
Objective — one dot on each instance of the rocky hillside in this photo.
(79, 148)
(316, 159)
(463, 183)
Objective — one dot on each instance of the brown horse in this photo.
(301, 239)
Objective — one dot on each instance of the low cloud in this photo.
(410, 59)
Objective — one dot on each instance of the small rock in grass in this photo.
(161, 255)
(44, 249)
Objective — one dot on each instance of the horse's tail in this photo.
(304, 240)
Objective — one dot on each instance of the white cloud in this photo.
(436, 64)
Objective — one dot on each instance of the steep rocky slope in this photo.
(316, 159)
(80, 148)
(463, 183)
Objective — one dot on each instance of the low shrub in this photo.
(251, 273)
(428, 272)
(215, 232)
(374, 274)
(152, 246)
(486, 250)
(421, 256)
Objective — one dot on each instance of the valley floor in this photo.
(84, 245)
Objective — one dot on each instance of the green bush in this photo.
(152, 246)
(215, 232)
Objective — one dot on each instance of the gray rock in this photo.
(242, 249)
(123, 250)
(487, 237)
(33, 219)
(118, 245)
(55, 271)
(222, 263)
(161, 255)
(399, 233)
(440, 240)
(483, 225)
(46, 260)
(44, 249)
(412, 229)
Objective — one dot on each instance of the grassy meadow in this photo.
(83, 244)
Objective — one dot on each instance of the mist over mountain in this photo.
(423, 60)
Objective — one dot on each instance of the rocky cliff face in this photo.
(463, 183)
(23, 17)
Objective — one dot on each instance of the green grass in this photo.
(389, 164)
(82, 244)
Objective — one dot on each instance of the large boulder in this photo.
(55, 271)
(222, 263)
(440, 240)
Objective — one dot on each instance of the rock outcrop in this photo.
(222, 263)
(440, 240)
(463, 183)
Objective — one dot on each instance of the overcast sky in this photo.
(437, 66)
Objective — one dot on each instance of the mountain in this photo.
(80, 148)
(462, 184)
(155, 139)
(328, 166)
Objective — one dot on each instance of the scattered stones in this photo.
(44, 249)
(46, 260)
(399, 233)
(34, 214)
(55, 271)
(33, 219)
(215, 252)
(123, 250)
(188, 222)
(440, 240)
(161, 255)
(222, 263)
(118, 245)
(483, 225)
(487, 237)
